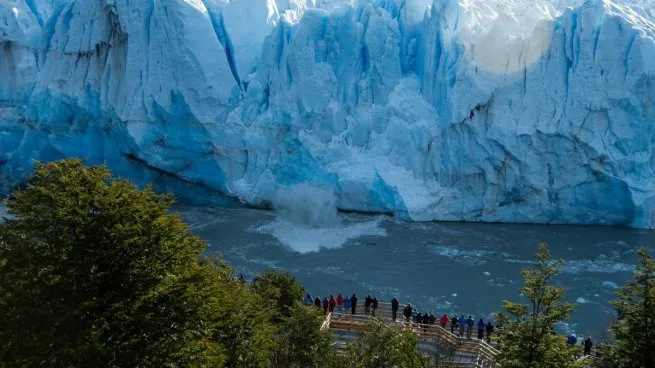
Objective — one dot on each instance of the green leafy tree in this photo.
(380, 346)
(527, 338)
(279, 289)
(96, 273)
(634, 332)
(300, 342)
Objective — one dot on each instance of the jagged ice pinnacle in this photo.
(517, 111)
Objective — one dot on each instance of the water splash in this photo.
(306, 206)
(308, 220)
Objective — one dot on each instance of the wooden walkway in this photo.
(433, 340)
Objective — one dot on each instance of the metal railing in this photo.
(485, 353)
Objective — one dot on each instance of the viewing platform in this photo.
(433, 340)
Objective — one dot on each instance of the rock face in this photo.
(431, 110)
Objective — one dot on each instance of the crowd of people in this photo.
(343, 305)
(460, 325)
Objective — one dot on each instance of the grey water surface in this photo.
(439, 267)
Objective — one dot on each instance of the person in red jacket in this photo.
(331, 304)
(339, 303)
(443, 321)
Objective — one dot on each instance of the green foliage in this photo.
(606, 357)
(94, 272)
(279, 289)
(382, 347)
(634, 331)
(300, 341)
(527, 338)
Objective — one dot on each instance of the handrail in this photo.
(326, 323)
(484, 352)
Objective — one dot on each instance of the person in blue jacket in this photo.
(469, 327)
(326, 302)
(462, 325)
(481, 329)
(308, 299)
(572, 340)
(346, 304)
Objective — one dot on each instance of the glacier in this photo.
(454, 110)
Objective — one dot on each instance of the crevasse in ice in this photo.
(475, 110)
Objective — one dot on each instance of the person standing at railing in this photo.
(346, 305)
(587, 346)
(462, 325)
(325, 305)
(433, 318)
(454, 324)
(490, 330)
(418, 318)
(367, 304)
(317, 302)
(353, 303)
(308, 299)
(374, 305)
(444, 320)
(408, 312)
(469, 327)
(331, 303)
(339, 303)
(481, 327)
(426, 319)
(394, 308)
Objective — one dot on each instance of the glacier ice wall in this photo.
(431, 110)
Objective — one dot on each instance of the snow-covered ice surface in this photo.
(476, 110)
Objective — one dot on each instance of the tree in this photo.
(95, 272)
(300, 342)
(380, 346)
(527, 338)
(634, 332)
(279, 289)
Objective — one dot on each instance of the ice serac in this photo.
(428, 109)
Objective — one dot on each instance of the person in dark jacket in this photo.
(490, 330)
(394, 308)
(433, 318)
(481, 327)
(572, 340)
(418, 318)
(407, 312)
(326, 303)
(443, 321)
(353, 303)
(374, 305)
(367, 304)
(454, 324)
(587, 346)
(425, 321)
(317, 302)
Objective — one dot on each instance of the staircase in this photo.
(433, 340)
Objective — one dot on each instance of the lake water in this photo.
(439, 267)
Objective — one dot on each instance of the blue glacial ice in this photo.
(475, 110)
